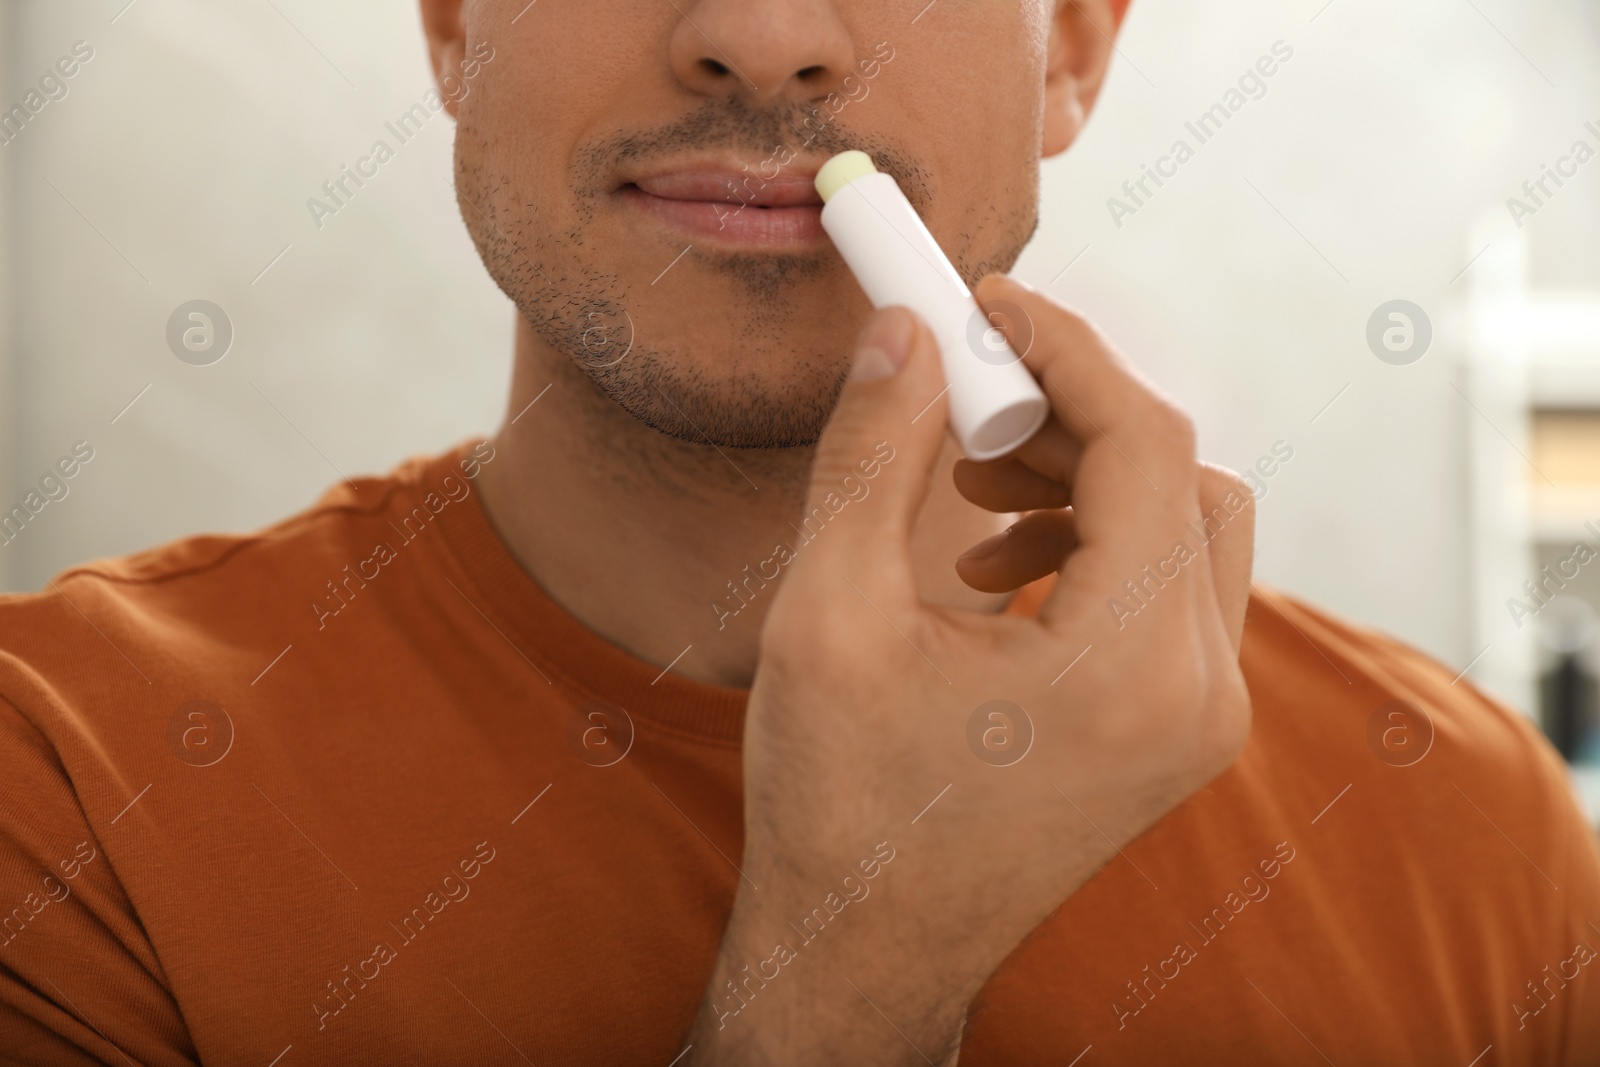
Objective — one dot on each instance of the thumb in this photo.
(877, 453)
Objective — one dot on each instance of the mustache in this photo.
(771, 133)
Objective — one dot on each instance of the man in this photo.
(659, 729)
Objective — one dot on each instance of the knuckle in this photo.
(1069, 317)
(1232, 716)
(1222, 484)
(1058, 329)
(1173, 426)
(1211, 714)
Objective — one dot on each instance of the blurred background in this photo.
(1381, 259)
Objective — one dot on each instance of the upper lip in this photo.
(791, 186)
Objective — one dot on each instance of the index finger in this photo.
(1137, 480)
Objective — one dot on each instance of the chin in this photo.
(752, 406)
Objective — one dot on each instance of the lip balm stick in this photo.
(995, 404)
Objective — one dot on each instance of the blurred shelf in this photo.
(1557, 516)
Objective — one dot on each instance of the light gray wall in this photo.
(1388, 134)
(8, 395)
(188, 146)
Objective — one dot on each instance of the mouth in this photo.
(735, 207)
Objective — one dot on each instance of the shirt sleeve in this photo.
(1583, 1016)
(1580, 926)
(80, 983)
(1568, 997)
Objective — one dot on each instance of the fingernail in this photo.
(871, 365)
(882, 347)
(989, 546)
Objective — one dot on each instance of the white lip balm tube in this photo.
(995, 404)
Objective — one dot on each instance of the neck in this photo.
(661, 545)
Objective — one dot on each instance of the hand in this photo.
(859, 714)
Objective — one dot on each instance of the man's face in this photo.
(637, 177)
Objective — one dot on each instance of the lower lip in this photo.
(745, 225)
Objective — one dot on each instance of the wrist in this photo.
(798, 980)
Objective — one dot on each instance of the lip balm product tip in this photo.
(994, 403)
(841, 170)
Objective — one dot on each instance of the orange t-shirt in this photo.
(355, 790)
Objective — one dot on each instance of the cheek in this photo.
(981, 145)
(562, 75)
